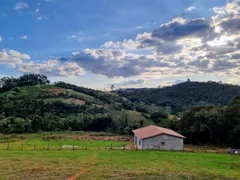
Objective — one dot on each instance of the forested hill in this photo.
(31, 104)
(181, 96)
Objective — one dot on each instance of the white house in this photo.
(154, 137)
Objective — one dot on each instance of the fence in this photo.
(34, 146)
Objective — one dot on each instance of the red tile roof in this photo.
(150, 131)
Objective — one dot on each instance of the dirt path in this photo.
(84, 170)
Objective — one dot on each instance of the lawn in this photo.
(103, 163)
(116, 164)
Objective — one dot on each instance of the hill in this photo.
(31, 104)
(184, 95)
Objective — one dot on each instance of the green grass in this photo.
(117, 164)
(29, 92)
(99, 164)
(55, 141)
(82, 95)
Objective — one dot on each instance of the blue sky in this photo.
(129, 43)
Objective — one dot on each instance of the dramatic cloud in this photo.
(196, 46)
(179, 47)
(180, 28)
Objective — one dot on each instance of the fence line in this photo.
(35, 147)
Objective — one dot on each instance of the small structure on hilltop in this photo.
(154, 137)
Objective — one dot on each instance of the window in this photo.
(162, 143)
(139, 142)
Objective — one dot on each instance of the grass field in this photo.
(56, 141)
(102, 164)
(116, 164)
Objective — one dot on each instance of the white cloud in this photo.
(20, 6)
(179, 47)
(52, 67)
(12, 57)
(77, 37)
(24, 37)
(191, 8)
(139, 27)
(49, 0)
(1, 38)
(41, 17)
(37, 11)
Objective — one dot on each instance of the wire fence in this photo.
(34, 146)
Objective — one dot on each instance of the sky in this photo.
(127, 43)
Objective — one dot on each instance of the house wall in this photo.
(138, 142)
(164, 142)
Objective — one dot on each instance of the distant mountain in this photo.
(181, 96)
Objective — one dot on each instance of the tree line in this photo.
(212, 124)
(7, 83)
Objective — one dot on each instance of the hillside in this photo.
(184, 95)
(30, 105)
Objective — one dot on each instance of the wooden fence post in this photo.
(8, 146)
(124, 147)
(111, 147)
(60, 147)
(86, 147)
(73, 148)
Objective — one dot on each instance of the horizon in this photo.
(128, 44)
(128, 88)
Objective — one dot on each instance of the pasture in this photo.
(94, 163)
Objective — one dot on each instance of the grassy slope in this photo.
(117, 164)
(33, 92)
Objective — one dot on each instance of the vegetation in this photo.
(212, 124)
(29, 104)
(181, 96)
(117, 164)
(43, 107)
(38, 156)
(7, 83)
(62, 141)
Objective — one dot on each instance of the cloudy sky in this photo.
(128, 43)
